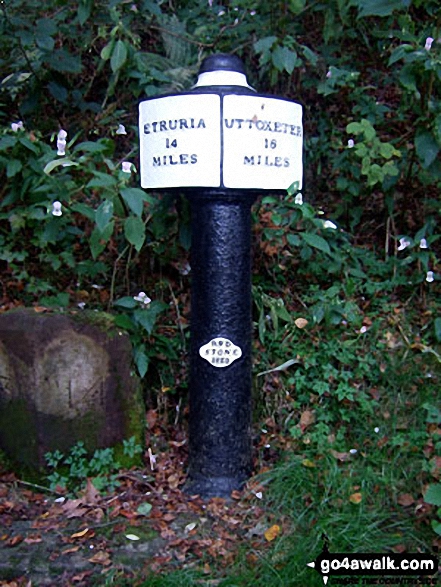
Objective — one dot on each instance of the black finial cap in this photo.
(222, 62)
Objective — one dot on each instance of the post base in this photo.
(213, 486)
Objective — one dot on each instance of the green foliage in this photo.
(70, 472)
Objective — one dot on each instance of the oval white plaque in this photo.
(220, 352)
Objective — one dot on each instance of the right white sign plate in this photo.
(263, 140)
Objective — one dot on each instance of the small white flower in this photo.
(404, 243)
(61, 143)
(353, 451)
(351, 144)
(329, 74)
(221, 12)
(428, 44)
(430, 277)
(423, 243)
(298, 199)
(253, 13)
(376, 430)
(142, 298)
(329, 224)
(152, 459)
(126, 167)
(121, 130)
(258, 494)
(56, 208)
(363, 329)
(15, 126)
(81, 305)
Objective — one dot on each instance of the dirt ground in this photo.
(147, 525)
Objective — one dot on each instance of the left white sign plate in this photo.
(180, 142)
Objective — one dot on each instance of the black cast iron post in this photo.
(222, 144)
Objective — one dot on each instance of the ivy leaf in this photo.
(316, 241)
(134, 231)
(119, 56)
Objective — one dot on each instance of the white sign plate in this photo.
(263, 142)
(180, 142)
(251, 142)
(220, 352)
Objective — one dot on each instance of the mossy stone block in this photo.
(63, 380)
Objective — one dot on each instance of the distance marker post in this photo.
(221, 144)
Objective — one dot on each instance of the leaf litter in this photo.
(146, 525)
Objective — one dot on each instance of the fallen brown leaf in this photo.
(356, 498)
(306, 419)
(405, 499)
(272, 532)
(341, 456)
(101, 558)
(91, 494)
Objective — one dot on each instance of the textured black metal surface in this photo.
(222, 62)
(220, 397)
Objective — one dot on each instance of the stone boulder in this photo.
(65, 378)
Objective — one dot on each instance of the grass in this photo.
(318, 487)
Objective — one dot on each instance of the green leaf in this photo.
(13, 167)
(106, 51)
(102, 180)
(84, 11)
(142, 364)
(427, 148)
(123, 321)
(433, 494)
(316, 241)
(92, 147)
(64, 162)
(386, 150)
(281, 367)
(293, 240)
(126, 302)
(104, 214)
(83, 209)
(135, 198)
(134, 231)
(119, 56)
(379, 7)
(7, 143)
(144, 509)
(438, 329)
(98, 239)
(146, 318)
(61, 60)
(61, 300)
(284, 59)
(265, 44)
